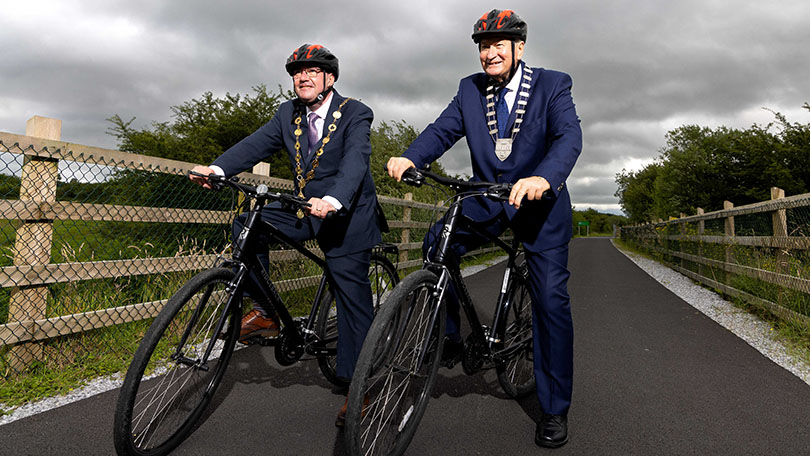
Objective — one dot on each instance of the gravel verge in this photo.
(756, 332)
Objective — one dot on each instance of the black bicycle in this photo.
(397, 368)
(184, 354)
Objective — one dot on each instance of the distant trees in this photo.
(204, 128)
(702, 167)
(600, 223)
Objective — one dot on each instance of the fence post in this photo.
(729, 230)
(779, 218)
(682, 231)
(701, 229)
(262, 169)
(34, 238)
(406, 232)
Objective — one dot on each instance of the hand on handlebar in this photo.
(397, 165)
(198, 179)
(531, 187)
(320, 208)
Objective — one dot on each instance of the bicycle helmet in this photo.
(499, 23)
(309, 55)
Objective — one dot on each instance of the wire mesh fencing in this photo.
(93, 242)
(759, 253)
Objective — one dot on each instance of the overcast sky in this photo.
(640, 68)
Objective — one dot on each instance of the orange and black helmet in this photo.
(504, 23)
(309, 55)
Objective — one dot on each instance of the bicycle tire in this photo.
(385, 373)
(161, 399)
(383, 277)
(516, 373)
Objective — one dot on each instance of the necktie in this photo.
(502, 111)
(312, 133)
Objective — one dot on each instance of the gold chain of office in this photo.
(299, 170)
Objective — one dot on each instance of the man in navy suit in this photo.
(326, 137)
(521, 127)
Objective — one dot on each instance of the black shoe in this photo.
(552, 431)
(452, 352)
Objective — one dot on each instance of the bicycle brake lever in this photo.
(412, 176)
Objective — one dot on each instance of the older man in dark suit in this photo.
(521, 127)
(326, 137)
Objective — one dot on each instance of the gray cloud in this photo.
(639, 68)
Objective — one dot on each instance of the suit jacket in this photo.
(343, 170)
(547, 145)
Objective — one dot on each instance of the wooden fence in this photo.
(32, 270)
(759, 253)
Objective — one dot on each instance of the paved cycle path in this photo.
(653, 376)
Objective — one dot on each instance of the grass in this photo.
(71, 360)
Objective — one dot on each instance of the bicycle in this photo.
(184, 354)
(397, 367)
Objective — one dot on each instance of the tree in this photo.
(204, 128)
(635, 192)
(702, 167)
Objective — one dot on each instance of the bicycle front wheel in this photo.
(516, 372)
(169, 383)
(383, 277)
(397, 368)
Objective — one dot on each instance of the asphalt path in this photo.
(653, 376)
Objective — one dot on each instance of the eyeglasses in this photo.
(312, 73)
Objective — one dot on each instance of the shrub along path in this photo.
(652, 376)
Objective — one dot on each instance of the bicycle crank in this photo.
(473, 359)
(289, 347)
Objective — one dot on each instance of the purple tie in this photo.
(312, 133)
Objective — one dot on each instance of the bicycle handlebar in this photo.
(493, 190)
(259, 191)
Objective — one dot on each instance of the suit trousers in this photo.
(348, 280)
(552, 324)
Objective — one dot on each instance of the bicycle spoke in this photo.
(173, 375)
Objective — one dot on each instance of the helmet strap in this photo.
(321, 96)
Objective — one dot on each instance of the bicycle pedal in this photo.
(258, 340)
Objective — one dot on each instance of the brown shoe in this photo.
(340, 421)
(256, 324)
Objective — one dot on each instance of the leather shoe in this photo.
(256, 324)
(452, 352)
(340, 421)
(552, 431)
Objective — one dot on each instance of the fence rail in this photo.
(758, 253)
(93, 241)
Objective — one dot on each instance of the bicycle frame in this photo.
(245, 260)
(448, 272)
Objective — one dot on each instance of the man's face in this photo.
(496, 56)
(308, 82)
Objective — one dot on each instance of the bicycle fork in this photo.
(202, 363)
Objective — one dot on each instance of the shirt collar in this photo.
(514, 84)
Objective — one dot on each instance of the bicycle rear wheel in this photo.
(383, 277)
(167, 387)
(396, 370)
(516, 372)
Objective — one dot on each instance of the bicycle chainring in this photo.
(289, 348)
